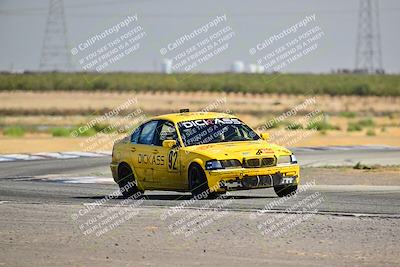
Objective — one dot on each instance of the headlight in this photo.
(289, 159)
(283, 160)
(213, 165)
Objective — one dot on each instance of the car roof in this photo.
(187, 116)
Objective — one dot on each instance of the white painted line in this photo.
(70, 179)
(83, 154)
(92, 204)
(107, 153)
(55, 155)
(87, 180)
(345, 148)
(21, 156)
(6, 159)
(349, 188)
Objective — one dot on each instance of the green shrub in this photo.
(359, 125)
(348, 114)
(100, 85)
(294, 126)
(60, 132)
(272, 124)
(362, 90)
(81, 131)
(321, 126)
(354, 126)
(310, 84)
(360, 166)
(103, 127)
(371, 132)
(14, 131)
(366, 122)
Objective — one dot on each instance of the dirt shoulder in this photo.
(349, 176)
(48, 237)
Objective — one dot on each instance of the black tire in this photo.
(284, 190)
(126, 176)
(198, 183)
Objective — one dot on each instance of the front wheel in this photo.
(127, 183)
(284, 190)
(198, 183)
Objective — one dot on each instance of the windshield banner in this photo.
(207, 122)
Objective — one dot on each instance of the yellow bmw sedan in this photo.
(205, 153)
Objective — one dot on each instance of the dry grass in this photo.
(46, 143)
(254, 109)
(161, 102)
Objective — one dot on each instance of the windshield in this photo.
(215, 130)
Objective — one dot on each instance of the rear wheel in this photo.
(127, 182)
(198, 184)
(284, 190)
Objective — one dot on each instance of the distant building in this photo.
(238, 67)
(254, 68)
(166, 66)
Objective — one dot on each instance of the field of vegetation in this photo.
(298, 84)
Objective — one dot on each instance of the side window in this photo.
(135, 135)
(147, 133)
(165, 131)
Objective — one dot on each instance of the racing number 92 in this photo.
(172, 157)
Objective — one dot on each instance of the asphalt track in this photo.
(51, 216)
(85, 180)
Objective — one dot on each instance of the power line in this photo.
(40, 12)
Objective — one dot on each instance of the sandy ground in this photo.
(45, 235)
(39, 227)
(255, 110)
(44, 143)
(384, 176)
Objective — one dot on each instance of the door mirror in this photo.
(265, 136)
(169, 143)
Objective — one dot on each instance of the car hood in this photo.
(238, 150)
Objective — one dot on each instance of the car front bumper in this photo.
(251, 178)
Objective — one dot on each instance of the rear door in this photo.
(143, 151)
(132, 151)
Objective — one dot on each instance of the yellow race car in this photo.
(205, 153)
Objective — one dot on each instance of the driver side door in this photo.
(167, 175)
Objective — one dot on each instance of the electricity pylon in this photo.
(368, 46)
(55, 54)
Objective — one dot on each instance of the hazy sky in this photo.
(22, 27)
